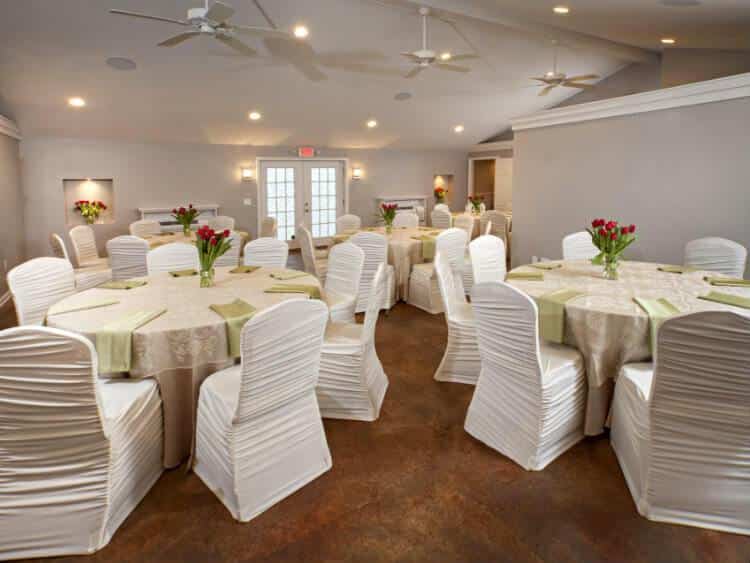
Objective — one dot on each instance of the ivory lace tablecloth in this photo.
(607, 327)
(155, 241)
(184, 345)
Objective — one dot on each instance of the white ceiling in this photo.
(201, 92)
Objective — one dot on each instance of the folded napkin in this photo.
(158, 243)
(122, 284)
(675, 269)
(288, 275)
(313, 291)
(236, 314)
(167, 234)
(59, 309)
(552, 313)
(546, 265)
(114, 340)
(428, 246)
(658, 311)
(425, 228)
(730, 282)
(727, 299)
(338, 239)
(183, 273)
(528, 276)
(244, 269)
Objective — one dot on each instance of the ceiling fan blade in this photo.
(262, 31)
(177, 39)
(414, 72)
(237, 45)
(582, 77)
(219, 12)
(147, 17)
(465, 57)
(540, 79)
(298, 54)
(547, 90)
(581, 85)
(452, 68)
(411, 56)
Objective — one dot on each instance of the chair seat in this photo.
(343, 334)
(118, 396)
(340, 305)
(462, 313)
(557, 361)
(222, 390)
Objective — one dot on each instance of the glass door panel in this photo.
(280, 196)
(324, 191)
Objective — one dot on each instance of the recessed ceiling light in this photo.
(445, 56)
(681, 3)
(301, 31)
(254, 115)
(458, 129)
(562, 10)
(76, 102)
(121, 63)
(668, 41)
(372, 123)
(549, 74)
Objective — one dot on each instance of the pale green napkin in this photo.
(658, 311)
(122, 284)
(552, 313)
(244, 269)
(675, 269)
(236, 314)
(313, 291)
(288, 275)
(527, 276)
(59, 309)
(727, 299)
(114, 340)
(729, 282)
(183, 273)
(338, 239)
(546, 265)
(428, 246)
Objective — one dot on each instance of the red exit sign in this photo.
(306, 152)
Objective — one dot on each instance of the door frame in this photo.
(470, 174)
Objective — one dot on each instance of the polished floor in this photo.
(413, 486)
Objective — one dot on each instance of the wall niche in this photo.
(100, 189)
(444, 181)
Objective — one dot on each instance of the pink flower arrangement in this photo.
(185, 217)
(89, 209)
(611, 239)
(211, 244)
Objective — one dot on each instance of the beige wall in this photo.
(11, 207)
(154, 175)
(679, 174)
(682, 66)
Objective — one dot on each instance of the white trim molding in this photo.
(717, 90)
(9, 128)
(492, 147)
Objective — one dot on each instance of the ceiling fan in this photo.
(553, 79)
(425, 57)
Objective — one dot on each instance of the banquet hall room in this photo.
(375, 281)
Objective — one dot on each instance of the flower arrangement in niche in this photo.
(387, 213)
(211, 244)
(440, 194)
(185, 217)
(89, 209)
(611, 239)
(476, 203)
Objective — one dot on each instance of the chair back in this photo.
(451, 244)
(145, 228)
(37, 284)
(375, 247)
(345, 263)
(578, 246)
(59, 250)
(440, 218)
(268, 227)
(221, 223)
(268, 252)
(374, 299)
(442, 207)
(171, 257)
(84, 245)
(716, 254)
(231, 258)
(305, 240)
(348, 223)
(127, 257)
(465, 222)
(487, 259)
(494, 223)
(280, 356)
(406, 219)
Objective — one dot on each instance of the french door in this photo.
(298, 192)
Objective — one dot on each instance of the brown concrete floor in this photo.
(413, 486)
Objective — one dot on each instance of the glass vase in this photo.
(186, 230)
(388, 228)
(610, 268)
(207, 277)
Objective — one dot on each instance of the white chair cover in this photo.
(487, 229)
(578, 246)
(375, 246)
(145, 228)
(530, 398)
(231, 258)
(442, 207)
(86, 277)
(267, 252)
(406, 219)
(716, 255)
(452, 245)
(59, 249)
(681, 428)
(37, 284)
(345, 263)
(494, 223)
(487, 259)
(172, 257)
(441, 218)
(348, 223)
(127, 255)
(221, 223)
(352, 382)
(84, 246)
(466, 223)
(259, 432)
(268, 228)
(313, 265)
(78, 452)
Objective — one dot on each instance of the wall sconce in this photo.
(356, 173)
(247, 174)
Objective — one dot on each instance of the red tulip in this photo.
(214, 242)
(226, 233)
(631, 228)
(190, 205)
(613, 235)
(174, 211)
(602, 233)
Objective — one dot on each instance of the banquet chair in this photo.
(85, 278)
(406, 219)
(127, 254)
(466, 223)
(487, 259)
(84, 247)
(145, 228)
(37, 284)
(716, 254)
(352, 383)
(267, 252)
(375, 247)
(259, 433)
(231, 258)
(172, 257)
(441, 218)
(221, 223)
(345, 263)
(680, 426)
(311, 259)
(530, 398)
(494, 223)
(78, 452)
(487, 229)
(268, 228)
(348, 223)
(578, 246)
(442, 207)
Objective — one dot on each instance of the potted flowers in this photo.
(476, 201)
(89, 210)
(388, 214)
(211, 244)
(611, 239)
(440, 194)
(185, 217)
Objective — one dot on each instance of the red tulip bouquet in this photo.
(185, 217)
(387, 213)
(440, 193)
(476, 203)
(211, 244)
(89, 210)
(611, 239)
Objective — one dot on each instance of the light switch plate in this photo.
(247, 201)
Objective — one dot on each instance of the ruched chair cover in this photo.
(37, 284)
(442, 207)
(145, 228)
(578, 246)
(59, 249)
(231, 257)
(221, 223)
(352, 382)
(716, 254)
(497, 223)
(406, 219)
(311, 259)
(487, 259)
(267, 252)
(84, 247)
(127, 256)
(375, 247)
(85, 278)
(259, 432)
(348, 223)
(268, 228)
(77, 453)
(466, 223)
(681, 426)
(172, 257)
(345, 263)
(441, 218)
(530, 398)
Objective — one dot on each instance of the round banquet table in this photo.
(607, 326)
(184, 345)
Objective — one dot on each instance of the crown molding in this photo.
(491, 147)
(717, 90)
(7, 127)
